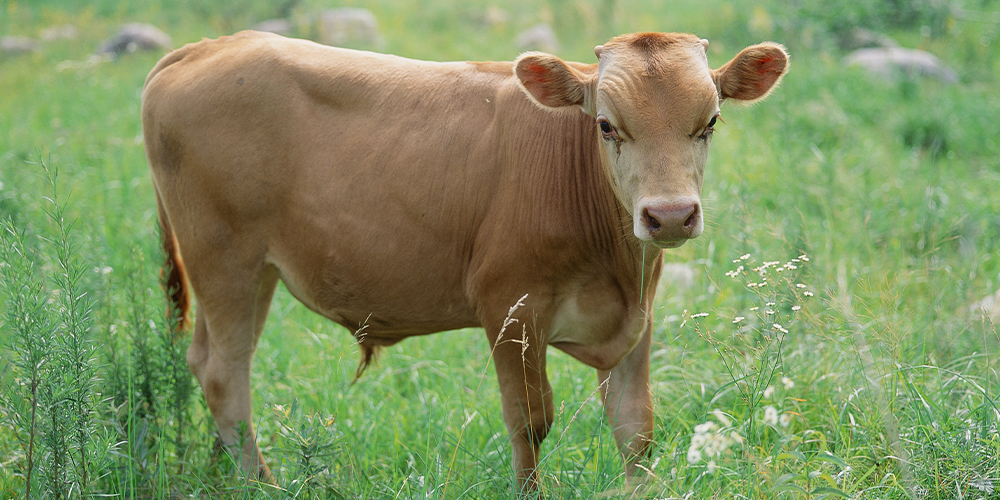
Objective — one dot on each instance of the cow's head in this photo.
(655, 102)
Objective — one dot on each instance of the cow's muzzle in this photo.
(668, 223)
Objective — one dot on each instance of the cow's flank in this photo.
(400, 197)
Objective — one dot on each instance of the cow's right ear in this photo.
(551, 82)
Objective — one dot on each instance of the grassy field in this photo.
(858, 371)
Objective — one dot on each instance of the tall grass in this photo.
(881, 384)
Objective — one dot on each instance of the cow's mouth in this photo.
(668, 244)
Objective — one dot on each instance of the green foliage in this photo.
(54, 409)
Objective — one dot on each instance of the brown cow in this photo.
(413, 197)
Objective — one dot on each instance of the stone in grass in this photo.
(896, 62)
(17, 45)
(860, 38)
(135, 37)
(987, 308)
(59, 32)
(675, 279)
(540, 37)
(277, 26)
(349, 26)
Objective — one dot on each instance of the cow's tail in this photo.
(173, 276)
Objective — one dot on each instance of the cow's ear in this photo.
(753, 73)
(551, 82)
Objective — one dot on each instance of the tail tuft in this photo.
(369, 353)
(173, 276)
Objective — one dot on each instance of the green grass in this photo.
(888, 188)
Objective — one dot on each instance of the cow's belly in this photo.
(593, 324)
(387, 297)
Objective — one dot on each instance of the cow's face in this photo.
(655, 103)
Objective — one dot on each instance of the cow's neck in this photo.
(606, 224)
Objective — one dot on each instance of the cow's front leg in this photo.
(526, 396)
(629, 405)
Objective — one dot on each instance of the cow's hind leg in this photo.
(526, 396)
(231, 311)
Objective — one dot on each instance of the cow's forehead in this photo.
(640, 71)
(655, 52)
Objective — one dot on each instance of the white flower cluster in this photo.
(771, 415)
(772, 418)
(711, 439)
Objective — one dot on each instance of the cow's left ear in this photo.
(551, 82)
(753, 73)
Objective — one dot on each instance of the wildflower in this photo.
(754, 308)
(796, 308)
(982, 484)
(736, 437)
(800, 285)
(768, 311)
(803, 258)
(699, 315)
(768, 392)
(807, 293)
(787, 382)
(745, 256)
(704, 428)
(709, 442)
(785, 419)
(721, 417)
(738, 319)
(779, 328)
(770, 415)
(844, 474)
(769, 304)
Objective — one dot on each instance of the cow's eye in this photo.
(607, 130)
(710, 128)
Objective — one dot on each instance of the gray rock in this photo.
(349, 26)
(987, 308)
(279, 26)
(540, 37)
(492, 17)
(897, 62)
(861, 38)
(18, 45)
(60, 32)
(133, 38)
(680, 276)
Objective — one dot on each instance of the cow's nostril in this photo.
(651, 222)
(692, 219)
